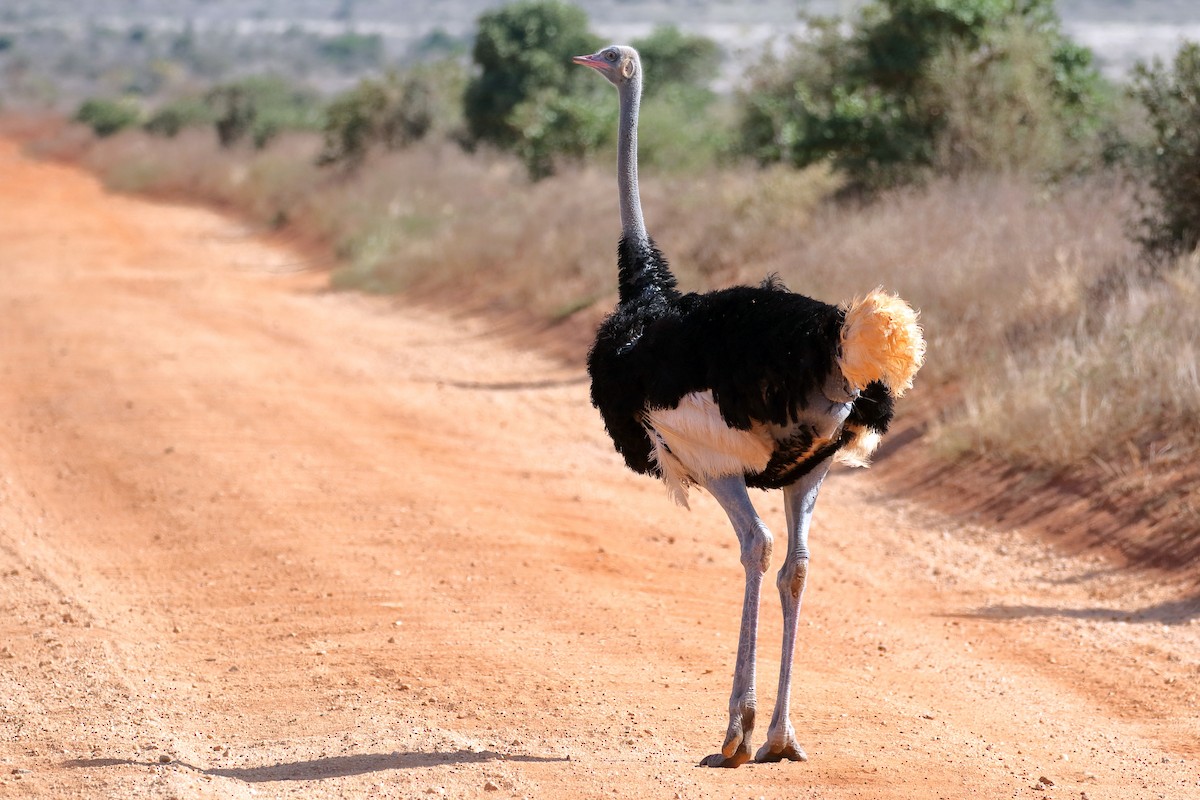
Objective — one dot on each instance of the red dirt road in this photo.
(259, 539)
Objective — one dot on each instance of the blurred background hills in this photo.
(143, 45)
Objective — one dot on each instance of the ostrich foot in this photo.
(788, 750)
(740, 755)
(736, 750)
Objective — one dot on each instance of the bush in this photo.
(678, 130)
(106, 117)
(235, 113)
(555, 126)
(353, 52)
(173, 117)
(682, 130)
(527, 96)
(1003, 108)
(521, 95)
(394, 112)
(671, 58)
(1171, 221)
(260, 108)
(903, 91)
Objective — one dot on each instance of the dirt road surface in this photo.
(257, 539)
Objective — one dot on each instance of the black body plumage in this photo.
(764, 352)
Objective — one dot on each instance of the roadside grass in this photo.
(1119, 386)
(1058, 351)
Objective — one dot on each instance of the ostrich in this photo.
(735, 388)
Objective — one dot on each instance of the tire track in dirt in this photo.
(297, 542)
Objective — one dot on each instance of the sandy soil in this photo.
(259, 539)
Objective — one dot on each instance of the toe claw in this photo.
(735, 751)
(789, 752)
(738, 758)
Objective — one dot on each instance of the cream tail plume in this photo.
(881, 341)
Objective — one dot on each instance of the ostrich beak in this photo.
(593, 61)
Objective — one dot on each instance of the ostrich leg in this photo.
(755, 542)
(798, 502)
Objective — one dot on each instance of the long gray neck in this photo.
(633, 226)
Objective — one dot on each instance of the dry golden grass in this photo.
(1027, 295)
(1120, 387)
(991, 262)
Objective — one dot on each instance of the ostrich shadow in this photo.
(1172, 612)
(328, 767)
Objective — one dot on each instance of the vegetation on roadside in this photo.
(106, 117)
(1170, 225)
(259, 109)
(255, 109)
(915, 88)
(527, 97)
(390, 113)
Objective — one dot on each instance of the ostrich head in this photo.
(618, 63)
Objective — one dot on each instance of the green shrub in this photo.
(259, 108)
(682, 130)
(1006, 107)
(170, 119)
(235, 113)
(521, 97)
(528, 97)
(678, 130)
(920, 86)
(353, 52)
(393, 112)
(106, 117)
(671, 58)
(1171, 97)
(555, 126)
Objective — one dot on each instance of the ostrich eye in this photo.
(611, 55)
